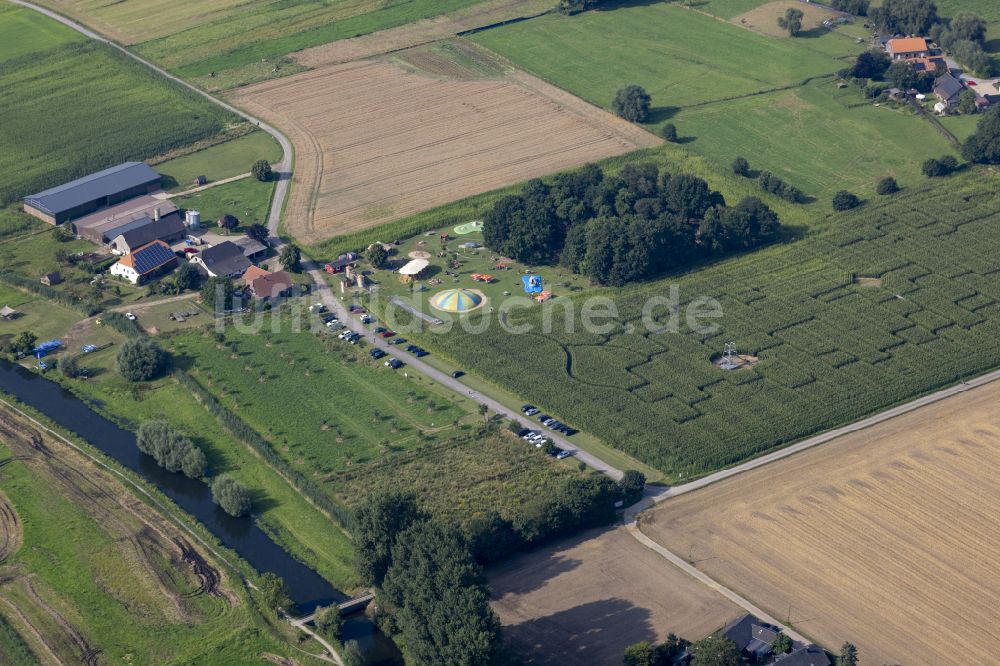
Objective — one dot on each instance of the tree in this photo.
(231, 496)
(352, 654)
(983, 147)
(217, 293)
(632, 103)
(69, 366)
(439, 598)
(639, 654)
(781, 643)
(871, 64)
(291, 258)
(329, 622)
(948, 163)
(848, 655)
(716, 650)
(887, 185)
(23, 343)
(274, 592)
(258, 232)
(575, 6)
(669, 132)
(844, 200)
(908, 17)
(376, 254)
(141, 359)
(484, 411)
(741, 167)
(187, 277)
(966, 26)
(514, 426)
(973, 57)
(631, 485)
(967, 102)
(902, 75)
(228, 222)
(171, 449)
(791, 21)
(261, 170)
(377, 524)
(933, 168)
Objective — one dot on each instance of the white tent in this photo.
(414, 267)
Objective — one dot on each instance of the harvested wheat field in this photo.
(586, 599)
(886, 537)
(764, 19)
(380, 139)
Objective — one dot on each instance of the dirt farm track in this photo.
(886, 537)
(383, 138)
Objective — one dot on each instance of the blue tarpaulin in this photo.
(46, 347)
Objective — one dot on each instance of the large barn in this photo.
(77, 198)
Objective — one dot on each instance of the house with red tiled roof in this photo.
(907, 47)
(266, 285)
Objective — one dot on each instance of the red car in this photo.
(387, 334)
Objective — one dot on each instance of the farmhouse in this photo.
(223, 260)
(266, 285)
(105, 225)
(754, 639)
(908, 47)
(948, 89)
(145, 262)
(146, 230)
(94, 192)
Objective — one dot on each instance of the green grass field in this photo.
(681, 57)
(78, 106)
(88, 577)
(220, 161)
(248, 199)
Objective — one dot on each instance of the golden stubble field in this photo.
(887, 538)
(380, 139)
(584, 600)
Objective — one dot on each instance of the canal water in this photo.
(306, 587)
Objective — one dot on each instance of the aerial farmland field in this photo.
(75, 107)
(884, 537)
(381, 139)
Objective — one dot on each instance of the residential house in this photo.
(948, 89)
(168, 229)
(50, 279)
(754, 639)
(265, 285)
(223, 260)
(145, 262)
(803, 655)
(907, 47)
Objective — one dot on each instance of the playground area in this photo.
(462, 276)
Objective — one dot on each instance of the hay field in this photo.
(764, 19)
(886, 537)
(586, 599)
(377, 140)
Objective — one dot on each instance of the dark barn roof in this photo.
(90, 188)
(226, 258)
(151, 230)
(947, 86)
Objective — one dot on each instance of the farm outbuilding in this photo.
(82, 196)
(103, 226)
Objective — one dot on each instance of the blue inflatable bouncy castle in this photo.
(532, 283)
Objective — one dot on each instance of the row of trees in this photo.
(713, 650)
(171, 449)
(623, 228)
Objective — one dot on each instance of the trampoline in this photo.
(458, 301)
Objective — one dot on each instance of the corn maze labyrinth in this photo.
(831, 349)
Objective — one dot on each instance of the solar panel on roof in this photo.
(151, 257)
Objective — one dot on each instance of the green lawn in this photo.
(76, 107)
(44, 319)
(23, 32)
(818, 137)
(681, 57)
(221, 161)
(248, 199)
(15, 222)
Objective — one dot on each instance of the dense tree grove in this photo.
(329, 622)
(23, 343)
(171, 449)
(965, 37)
(439, 600)
(291, 258)
(906, 17)
(934, 168)
(856, 7)
(231, 496)
(377, 523)
(187, 277)
(274, 592)
(140, 359)
(903, 75)
(871, 64)
(983, 147)
(623, 228)
(632, 103)
(771, 183)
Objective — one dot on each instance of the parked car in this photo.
(457, 373)
(377, 353)
(380, 329)
(317, 307)
(412, 348)
(355, 309)
(387, 333)
(130, 316)
(394, 363)
(399, 341)
(563, 454)
(420, 353)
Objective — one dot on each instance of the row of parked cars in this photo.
(548, 421)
